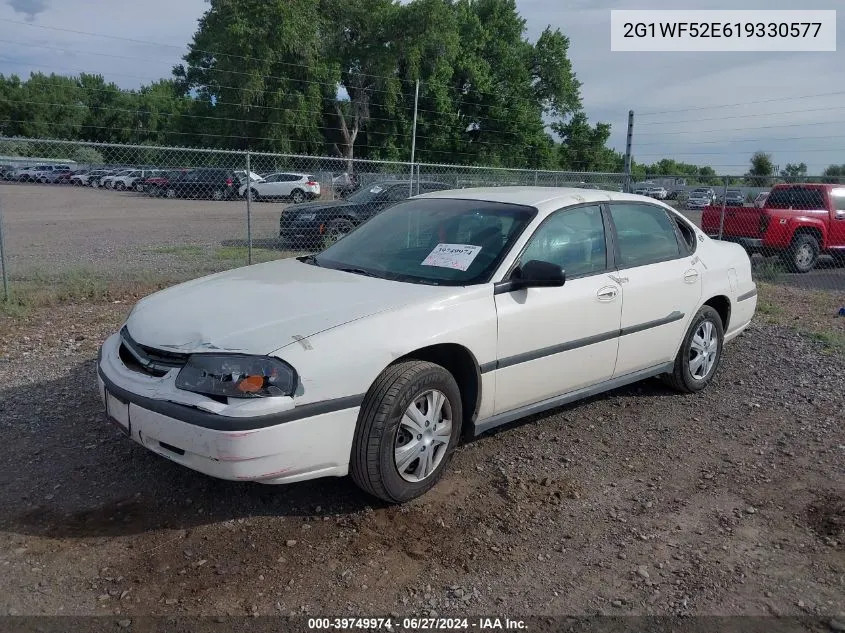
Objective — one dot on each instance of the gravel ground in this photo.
(638, 502)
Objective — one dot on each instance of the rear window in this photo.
(311, 178)
(802, 198)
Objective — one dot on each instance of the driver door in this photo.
(556, 340)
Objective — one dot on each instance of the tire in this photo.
(217, 195)
(95, 184)
(170, 193)
(119, 186)
(298, 196)
(802, 254)
(381, 431)
(337, 229)
(253, 195)
(687, 376)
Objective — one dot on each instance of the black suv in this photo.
(210, 183)
(315, 225)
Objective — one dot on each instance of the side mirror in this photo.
(537, 274)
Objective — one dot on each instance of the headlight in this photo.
(237, 376)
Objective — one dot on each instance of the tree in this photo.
(834, 174)
(256, 70)
(762, 168)
(87, 156)
(794, 173)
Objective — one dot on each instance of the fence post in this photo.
(724, 203)
(248, 210)
(628, 159)
(3, 259)
(414, 138)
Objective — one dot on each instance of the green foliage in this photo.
(87, 156)
(794, 173)
(834, 174)
(761, 171)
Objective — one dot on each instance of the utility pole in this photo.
(628, 160)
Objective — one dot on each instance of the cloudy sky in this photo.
(688, 106)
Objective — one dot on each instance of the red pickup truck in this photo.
(798, 222)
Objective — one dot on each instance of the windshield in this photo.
(437, 241)
(367, 194)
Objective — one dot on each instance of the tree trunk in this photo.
(349, 136)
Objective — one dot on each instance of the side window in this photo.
(574, 239)
(838, 198)
(645, 234)
(687, 235)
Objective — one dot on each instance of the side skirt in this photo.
(482, 426)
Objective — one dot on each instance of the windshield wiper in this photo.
(309, 259)
(359, 271)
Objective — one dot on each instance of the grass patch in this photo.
(241, 254)
(183, 252)
(811, 313)
(770, 271)
(831, 342)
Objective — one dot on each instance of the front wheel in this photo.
(700, 353)
(802, 254)
(337, 230)
(120, 186)
(408, 428)
(217, 195)
(171, 193)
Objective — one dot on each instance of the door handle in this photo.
(608, 293)
(691, 276)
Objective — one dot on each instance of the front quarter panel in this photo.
(346, 360)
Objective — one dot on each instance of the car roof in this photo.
(537, 196)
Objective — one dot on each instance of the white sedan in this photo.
(448, 314)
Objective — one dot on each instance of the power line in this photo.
(740, 129)
(745, 116)
(751, 140)
(254, 122)
(246, 58)
(744, 103)
(811, 149)
(261, 91)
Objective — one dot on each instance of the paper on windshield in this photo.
(454, 256)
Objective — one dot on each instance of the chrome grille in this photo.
(154, 362)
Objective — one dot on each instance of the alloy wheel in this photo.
(703, 351)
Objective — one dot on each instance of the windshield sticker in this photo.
(454, 256)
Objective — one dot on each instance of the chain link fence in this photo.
(94, 220)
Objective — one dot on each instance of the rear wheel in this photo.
(217, 194)
(171, 193)
(407, 431)
(700, 353)
(802, 254)
(298, 196)
(95, 184)
(119, 185)
(253, 195)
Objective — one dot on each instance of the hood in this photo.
(258, 309)
(317, 206)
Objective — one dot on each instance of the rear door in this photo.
(661, 285)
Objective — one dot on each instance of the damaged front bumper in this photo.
(270, 440)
